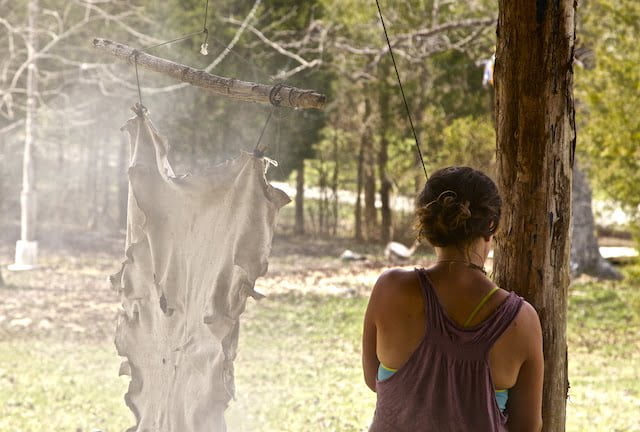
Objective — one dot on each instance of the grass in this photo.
(56, 385)
(604, 357)
(308, 378)
(298, 365)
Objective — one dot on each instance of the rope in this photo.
(189, 36)
(206, 13)
(141, 108)
(145, 49)
(273, 94)
(275, 102)
(259, 152)
(404, 97)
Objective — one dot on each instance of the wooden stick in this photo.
(285, 96)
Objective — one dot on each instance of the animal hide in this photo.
(195, 246)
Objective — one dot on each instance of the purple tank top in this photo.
(446, 384)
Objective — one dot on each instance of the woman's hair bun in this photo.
(457, 205)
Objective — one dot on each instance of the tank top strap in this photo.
(434, 318)
(500, 320)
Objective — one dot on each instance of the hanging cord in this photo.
(203, 50)
(181, 38)
(275, 103)
(273, 94)
(404, 98)
(140, 109)
(205, 46)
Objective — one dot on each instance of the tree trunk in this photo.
(323, 199)
(365, 138)
(369, 181)
(92, 184)
(28, 198)
(26, 256)
(585, 253)
(299, 227)
(335, 184)
(536, 143)
(370, 213)
(383, 158)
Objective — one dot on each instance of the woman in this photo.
(444, 348)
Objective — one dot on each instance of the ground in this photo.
(298, 366)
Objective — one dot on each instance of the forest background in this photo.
(352, 168)
(357, 159)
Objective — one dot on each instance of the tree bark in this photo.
(370, 213)
(585, 252)
(335, 185)
(91, 185)
(365, 138)
(535, 151)
(285, 96)
(386, 231)
(299, 226)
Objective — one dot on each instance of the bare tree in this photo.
(27, 246)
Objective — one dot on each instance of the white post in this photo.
(27, 247)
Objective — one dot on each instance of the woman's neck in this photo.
(474, 255)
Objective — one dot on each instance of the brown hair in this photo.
(457, 205)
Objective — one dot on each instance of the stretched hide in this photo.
(195, 246)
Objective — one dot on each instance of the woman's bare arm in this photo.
(525, 398)
(370, 360)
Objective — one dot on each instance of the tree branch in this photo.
(286, 96)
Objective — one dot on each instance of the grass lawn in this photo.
(298, 366)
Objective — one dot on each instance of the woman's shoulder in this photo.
(527, 317)
(396, 287)
(396, 280)
(525, 329)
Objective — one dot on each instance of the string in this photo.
(404, 97)
(190, 35)
(145, 49)
(258, 151)
(275, 102)
(204, 31)
(135, 58)
(206, 13)
(272, 95)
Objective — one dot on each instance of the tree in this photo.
(27, 246)
(535, 153)
(609, 129)
(46, 64)
(423, 35)
(585, 253)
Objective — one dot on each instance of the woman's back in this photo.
(444, 347)
(446, 372)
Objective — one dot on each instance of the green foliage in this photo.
(608, 107)
(225, 126)
(470, 141)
